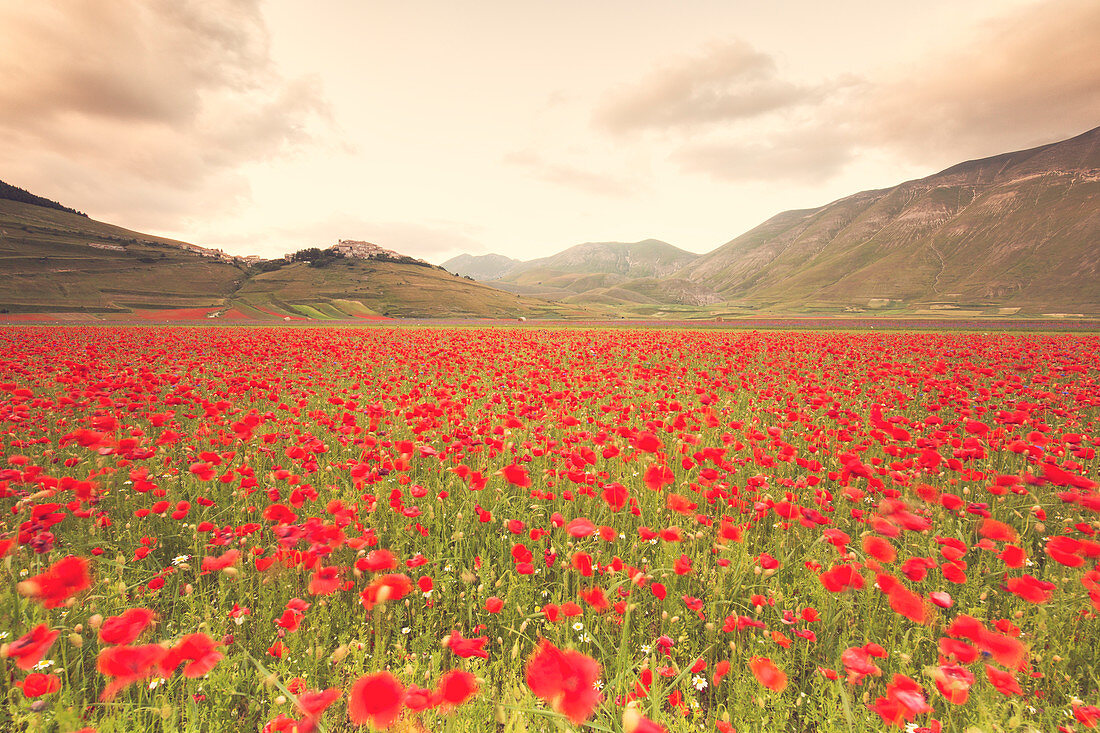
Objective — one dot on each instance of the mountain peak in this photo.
(480, 267)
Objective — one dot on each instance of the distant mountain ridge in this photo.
(607, 274)
(647, 258)
(1020, 230)
(480, 267)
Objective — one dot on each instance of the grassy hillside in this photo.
(1016, 230)
(55, 261)
(389, 289)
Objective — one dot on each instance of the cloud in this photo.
(809, 154)
(1026, 78)
(156, 103)
(569, 176)
(729, 82)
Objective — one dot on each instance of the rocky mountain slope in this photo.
(1015, 230)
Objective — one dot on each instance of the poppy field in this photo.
(532, 529)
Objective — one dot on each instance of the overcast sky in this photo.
(439, 127)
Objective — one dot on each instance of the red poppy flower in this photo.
(456, 687)
(904, 701)
(37, 685)
(960, 650)
(63, 580)
(1030, 588)
(212, 564)
(516, 475)
(953, 682)
(907, 603)
(1013, 556)
(466, 648)
(1087, 715)
(565, 679)
(376, 560)
(282, 724)
(290, 620)
(595, 598)
(720, 671)
(29, 648)
(1003, 680)
(997, 531)
(647, 443)
(580, 528)
(857, 662)
(841, 577)
(767, 674)
(127, 627)
(385, 588)
(127, 664)
(312, 703)
(420, 698)
(879, 548)
(658, 475)
(376, 699)
(615, 495)
(324, 581)
(198, 650)
(203, 470)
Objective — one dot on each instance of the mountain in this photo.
(1012, 233)
(480, 267)
(53, 260)
(648, 258)
(59, 262)
(1018, 230)
(634, 276)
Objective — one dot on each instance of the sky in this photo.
(436, 128)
